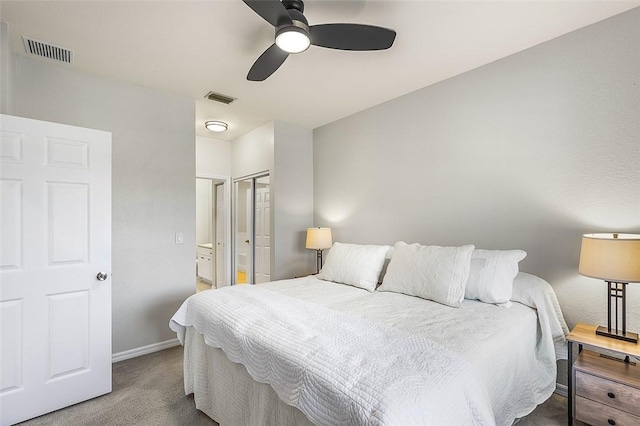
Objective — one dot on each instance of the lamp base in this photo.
(628, 337)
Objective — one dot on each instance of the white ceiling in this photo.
(191, 47)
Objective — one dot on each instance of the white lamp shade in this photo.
(319, 238)
(611, 257)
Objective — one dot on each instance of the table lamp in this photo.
(319, 239)
(614, 258)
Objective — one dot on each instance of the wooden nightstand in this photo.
(602, 390)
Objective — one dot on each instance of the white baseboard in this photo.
(562, 389)
(143, 350)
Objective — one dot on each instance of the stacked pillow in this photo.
(445, 275)
(354, 264)
(430, 272)
(492, 273)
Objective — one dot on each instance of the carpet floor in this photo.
(148, 390)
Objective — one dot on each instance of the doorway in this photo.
(252, 241)
(212, 232)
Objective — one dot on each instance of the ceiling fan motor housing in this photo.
(299, 23)
(294, 4)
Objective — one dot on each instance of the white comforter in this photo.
(353, 357)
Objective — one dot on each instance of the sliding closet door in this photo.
(55, 266)
(252, 230)
(262, 231)
(243, 231)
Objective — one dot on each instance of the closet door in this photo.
(55, 266)
(243, 232)
(252, 229)
(262, 238)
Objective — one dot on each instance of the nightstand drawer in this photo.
(597, 414)
(607, 392)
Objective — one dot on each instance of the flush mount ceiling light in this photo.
(216, 126)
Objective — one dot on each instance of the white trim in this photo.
(144, 350)
(227, 220)
(210, 176)
(562, 389)
(252, 175)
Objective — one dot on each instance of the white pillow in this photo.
(492, 273)
(354, 264)
(430, 272)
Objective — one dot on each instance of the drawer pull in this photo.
(611, 395)
(611, 422)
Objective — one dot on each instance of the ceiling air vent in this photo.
(213, 96)
(46, 50)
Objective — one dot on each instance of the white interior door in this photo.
(55, 220)
(220, 237)
(262, 234)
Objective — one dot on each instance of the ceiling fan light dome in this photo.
(216, 126)
(293, 40)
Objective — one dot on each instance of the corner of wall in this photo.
(7, 71)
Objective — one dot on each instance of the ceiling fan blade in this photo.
(352, 36)
(267, 63)
(271, 10)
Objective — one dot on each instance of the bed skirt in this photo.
(224, 391)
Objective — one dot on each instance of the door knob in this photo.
(101, 276)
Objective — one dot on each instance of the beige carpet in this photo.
(148, 390)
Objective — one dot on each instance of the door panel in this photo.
(68, 214)
(67, 153)
(10, 215)
(55, 336)
(68, 333)
(11, 323)
(262, 231)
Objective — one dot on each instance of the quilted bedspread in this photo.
(336, 368)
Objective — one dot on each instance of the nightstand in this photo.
(602, 390)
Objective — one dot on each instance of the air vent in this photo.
(46, 50)
(213, 96)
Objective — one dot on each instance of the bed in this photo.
(313, 351)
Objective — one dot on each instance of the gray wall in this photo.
(293, 201)
(153, 187)
(285, 150)
(527, 152)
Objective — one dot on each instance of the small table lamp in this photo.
(614, 258)
(319, 239)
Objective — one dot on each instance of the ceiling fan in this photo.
(294, 35)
